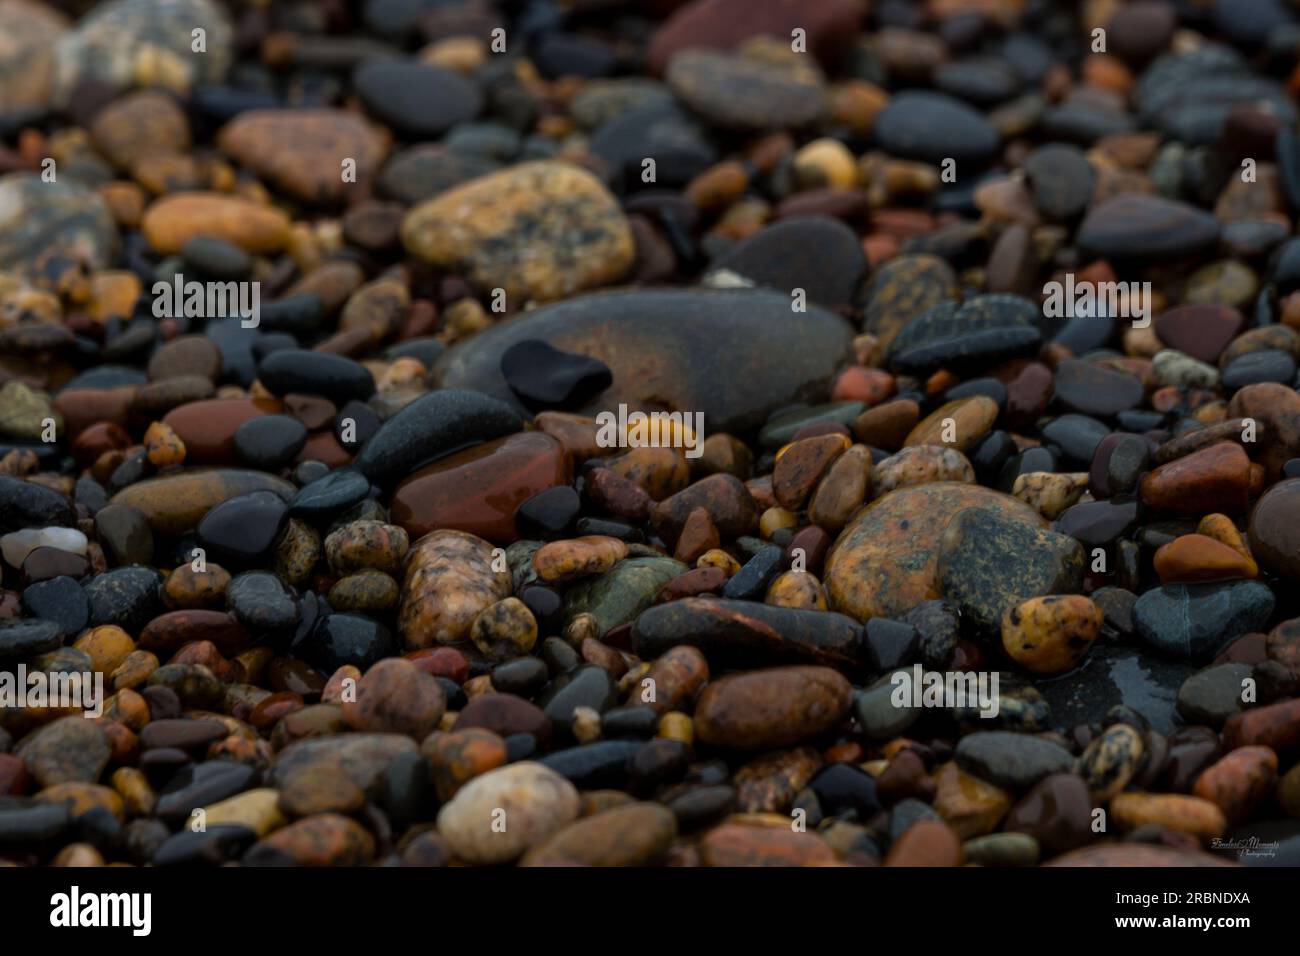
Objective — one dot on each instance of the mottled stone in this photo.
(451, 576)
(771, 708)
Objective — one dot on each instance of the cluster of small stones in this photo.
(972, 537)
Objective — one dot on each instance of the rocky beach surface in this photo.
(690, 433)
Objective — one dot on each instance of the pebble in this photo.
(747, 93)
(988, 563)
(1195, 621)
(1049, 635)
(660, 345)
(450, 579)
(885, 561)
(395, 696)
(172, 221)
(543, 376)
(577, 237)
(772, 708)
(1056, 812)
(418, 99)
(537, 803)
(68, 750)
(302, 151)
(1014, 761)
(932, 127)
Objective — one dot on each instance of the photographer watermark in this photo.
(208, 300)
(638, 429)
(975, 690)
(74, 690)
(1116, 300)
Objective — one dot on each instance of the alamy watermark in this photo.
(626, 429)
(1117, 300)
(82, 690)
(976, 690)
(208, 300)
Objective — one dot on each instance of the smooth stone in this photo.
(772, 708)
(417, 98)
(362, 757)
(622, 593)
(1014, 761)
(1189, 96)
(885, 562)
(340, 640)
(542, 376)
(743, 93)
(636, 834)
(539, 230)
(25, 504)
(931, 127)
(1201, 331)
(661, 346)
(17, 546)
(1213, 695)
(270, 442)
(69, 750)
(207, 428)
(430, 427)
(262, 603)
(815, 253)
(549, 513)
(604, 764)
(479, 490)
(174, 504)
(989, 563)
(1093, 389)
(61, 600)
(336, 377)
(974, 333)
(127, 597)
(1061, 179)
(450, 579)
(1269, 365)
(1136, 226)
(1214, 479)
(1274, 539)
(330, 494)
(538, 803)
(421, 172)
(1077, 436)
(302, 150)
(50, 221)
(1096, 523)
(586, 686)
(243, 529)
(742, 633)
(1056, 812)
(903, 288)
(750, 582)
(172, 221)
(25, 638)
(1195, 621)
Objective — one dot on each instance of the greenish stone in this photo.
(619, 595)
(988, 564)
(1002, 849)
(781, 428)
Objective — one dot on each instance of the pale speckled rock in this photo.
(28, 32)
(1171, 367)
(884, 563)
(43, 223)
(129, 43)
(527, 802)
(920, 465)
(449, 580)
(1050, 493)
(540, 231)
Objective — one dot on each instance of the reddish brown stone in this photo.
(1202, 331)
(208, 428)
(678, 675)
(1196, 557)
(1213, 479)
(926, 843)
(725, 498)
(698, 535)
(887, 426)
(479, 490)
(1276, 726)
(1239, 782)
(695, 581)
(801, 465)
(506, 714)
(458, 757)
(1275, 409)
(81, 408)
(395, 696)
(735, 845)
(776, 707)
(167, 633)
(726, 24)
